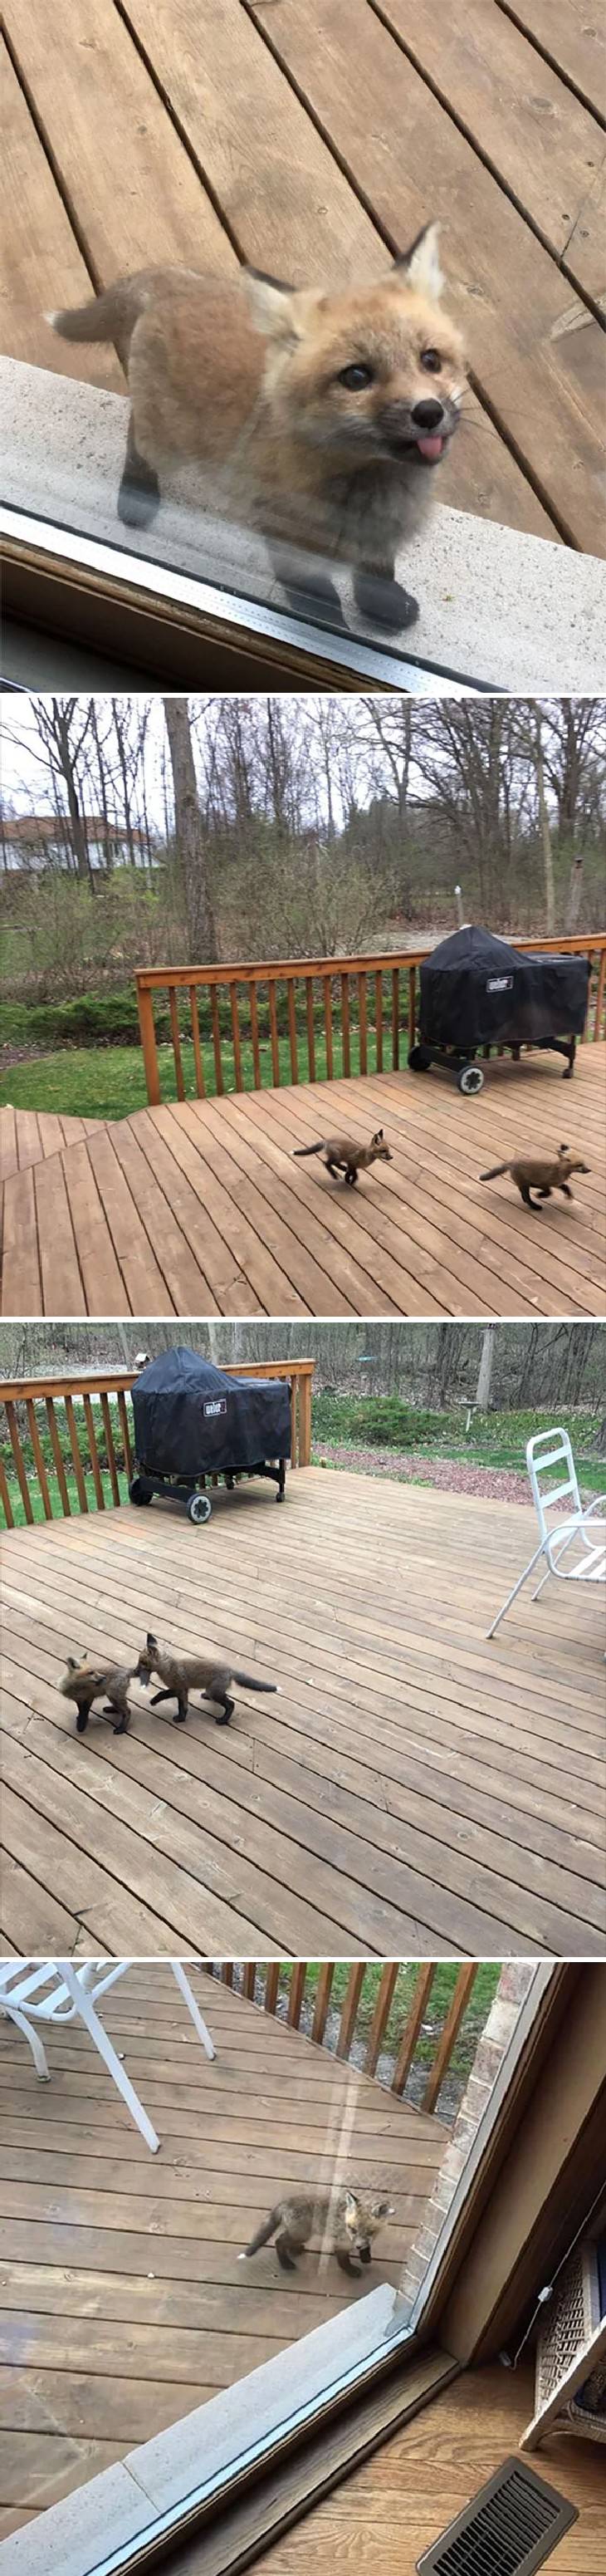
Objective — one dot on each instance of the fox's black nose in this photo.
(427, 415)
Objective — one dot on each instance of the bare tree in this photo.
(191, 838)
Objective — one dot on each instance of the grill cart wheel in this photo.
(199, 1507)
(471, 1078)
(139, 1491)
(419, 1059)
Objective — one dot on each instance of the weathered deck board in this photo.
(203, 1208)
(387, 125)
(30, 1135)
(287, 126)
(122, 2298)
(414, 1785)
(546, 149)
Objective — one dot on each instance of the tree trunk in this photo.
(190, 836)
(485, 1371)
(575, 890)
(548, 877)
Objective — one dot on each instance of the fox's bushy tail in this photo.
(264, 2232)
(494, 1174)
(110, 316)
(310, 1149)
(248, 1681)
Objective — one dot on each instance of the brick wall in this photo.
(514, 1982)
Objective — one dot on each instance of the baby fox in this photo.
(321, 414)
(184, 1673)
(86, 1682)
(347, 2221)
(342, 1155)
(540, 1172)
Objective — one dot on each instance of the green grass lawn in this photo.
(109, 1082)
(438, 2005)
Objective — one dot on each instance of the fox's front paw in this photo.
(383, 602)
(138, 497)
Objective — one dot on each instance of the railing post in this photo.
(148, 1042)
(304, 1418)
(599, 999)
(463, 1989)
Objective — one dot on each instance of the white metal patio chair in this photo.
(55, 1991)
(553, 1449)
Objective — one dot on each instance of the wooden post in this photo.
(381, 2014)
(298, 1975)
(254, 1031)
(412, 1005)
(235, 1030)
(327, 996)
(410, 2035)
(323, 1995)
(5, 1499)
(294, 1410)
(273, 1032)
(148, 1042)
(311, 1043)
(176, 1039)
(272, 1983)
(248, 1980)
(214, 1014)
(195, 1030)
(395, 1019)
(109, 1443)
(345, 1023)
(93, 1454)
(292, 1030)
(362, 1023)
(379, 1021)
(463, 1989)
(599, 999)
(349, 2013)
(304, 1418)
(38, 1459)
(77, 1461)
(58, 1458)
(19, 1461)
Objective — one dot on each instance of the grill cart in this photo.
(194, 1423)
(476, 992)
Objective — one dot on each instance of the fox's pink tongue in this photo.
(430, 446)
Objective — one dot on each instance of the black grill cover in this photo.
(477, 991)
(193, 1420)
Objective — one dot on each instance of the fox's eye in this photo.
(356, 378)
(430, 358)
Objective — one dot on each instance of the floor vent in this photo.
(509, 2529)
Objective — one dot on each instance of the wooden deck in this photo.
(29, 1136)
(313, 141)
(414, 1791)
(201, 1208)
(122, 2301)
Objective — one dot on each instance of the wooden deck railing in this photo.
(272, 1977)
(323, 1014)
(100, 1443)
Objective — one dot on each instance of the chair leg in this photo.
(33, 2036)
(87, 2014)
(544, 1579)
(511, 1596)
(190, 2000)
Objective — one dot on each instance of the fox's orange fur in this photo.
(246, 377)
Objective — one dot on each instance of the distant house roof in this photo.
(57, 827)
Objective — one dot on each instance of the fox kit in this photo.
(86, 1683)
(347, 2221)
(323, 413)
(184, 1673)
(341, 1154)
(540, 1172)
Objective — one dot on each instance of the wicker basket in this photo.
(570, 2320)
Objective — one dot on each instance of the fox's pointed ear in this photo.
(271, 304)
(150, 1639)
(421, 264)
(351, 2205)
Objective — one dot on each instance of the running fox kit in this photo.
(322, 415)
(86, 1682)
(181, 1674)
(341, 1154)
(540, 1172)
(347, 2220)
